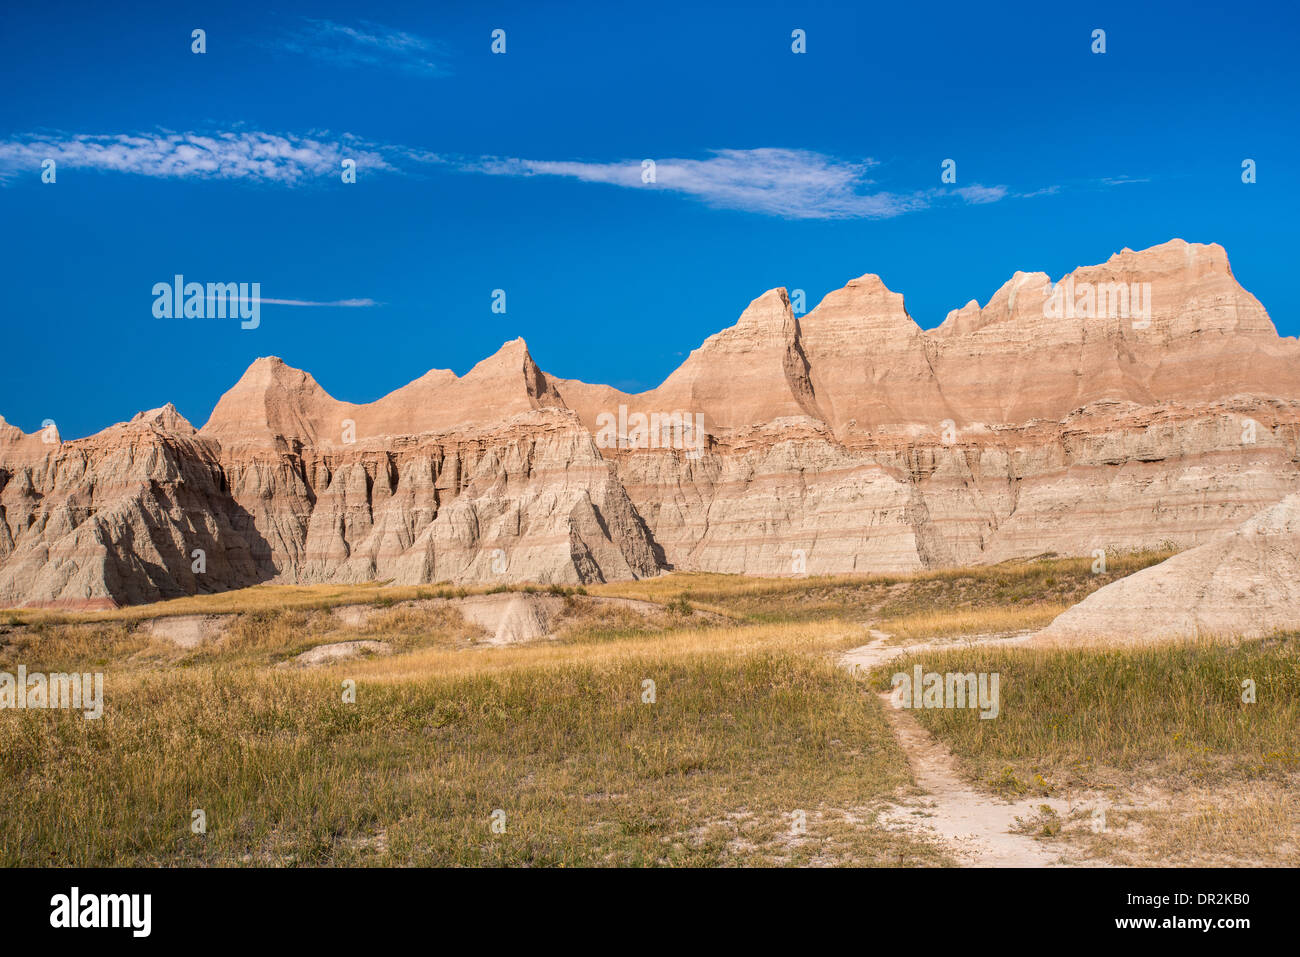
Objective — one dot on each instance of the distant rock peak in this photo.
(857, 361)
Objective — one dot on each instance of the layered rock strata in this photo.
(1147, 401)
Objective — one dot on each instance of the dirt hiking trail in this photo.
(974, 826)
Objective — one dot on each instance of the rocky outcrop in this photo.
(872, 365)
(1146, 401)
(277, 407)
(137, 513)
(1168, 324)
(1243, 583)
(140, 513)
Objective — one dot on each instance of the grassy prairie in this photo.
(744, 731)
(1057, 581)
(756, 749)
(1054, 582)
(1104, 718)
(953, 622)
(270, 598)
(1158, 738)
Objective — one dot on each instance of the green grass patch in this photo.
(1091, 717)
(584, 771)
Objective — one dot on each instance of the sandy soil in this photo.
(340, 651)
(186, 631)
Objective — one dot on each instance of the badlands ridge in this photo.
(845, 440)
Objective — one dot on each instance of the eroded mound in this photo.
(1244, 583)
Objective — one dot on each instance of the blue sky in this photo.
(522, 172)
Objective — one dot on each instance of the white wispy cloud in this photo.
(270, 157)
(789, 183)
(979, 195)
(343, 303)
(366, 44)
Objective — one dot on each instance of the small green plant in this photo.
(1045, 823)
(1006, 782)
(680, 606)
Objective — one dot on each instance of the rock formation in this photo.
(1145, 401)
(1242, 583)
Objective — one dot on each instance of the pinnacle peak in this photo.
(869, 279)
(510, 349)
(771, 307)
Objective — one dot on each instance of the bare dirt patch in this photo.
(186, 631)
(512, 617)
(341, 651)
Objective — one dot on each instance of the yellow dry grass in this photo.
(746, 727)
(943, 623)
(751, 722)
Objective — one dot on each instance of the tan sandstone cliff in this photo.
(845, 440)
